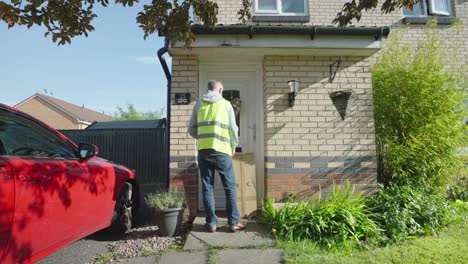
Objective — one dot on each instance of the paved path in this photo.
(252, 245)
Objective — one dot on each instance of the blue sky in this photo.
(113, 67)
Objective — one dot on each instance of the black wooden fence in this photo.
(142, 150)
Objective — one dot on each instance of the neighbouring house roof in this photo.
(80, 113)
(252, 30)
(157, 123)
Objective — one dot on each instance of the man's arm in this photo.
(233, 130)
(192, 125)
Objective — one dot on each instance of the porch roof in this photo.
(256, 41)
(312, 31)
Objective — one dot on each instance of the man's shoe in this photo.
(237, 228)
(210, 228)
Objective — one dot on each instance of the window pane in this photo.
(267, 5)
(418, 10)
(439, 7)
(293, 6)
(25, 138)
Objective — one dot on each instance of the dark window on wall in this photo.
(442, 10)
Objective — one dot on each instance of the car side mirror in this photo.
(87, 150)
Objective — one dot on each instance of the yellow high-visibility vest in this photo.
(213, 126)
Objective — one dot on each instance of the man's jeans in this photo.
(210, 160)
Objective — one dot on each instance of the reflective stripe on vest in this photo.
(213, 126)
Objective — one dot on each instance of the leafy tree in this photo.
(66, 19)
(353, 9)
(419, 113)
(132, 114)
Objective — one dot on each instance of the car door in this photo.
(7, 202)
(52, 189)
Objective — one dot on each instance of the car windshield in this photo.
(20, 136)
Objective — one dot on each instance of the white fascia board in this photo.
(285, 41)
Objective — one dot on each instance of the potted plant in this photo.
(168, 208)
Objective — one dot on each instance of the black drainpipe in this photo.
(161, 52)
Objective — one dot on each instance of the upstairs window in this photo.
(281, 7)
(426, 8)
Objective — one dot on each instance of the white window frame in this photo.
(279, 7)
(428, 7)
(433, 10)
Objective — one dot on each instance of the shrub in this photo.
(458, 190)
(418, 112)
(330, 221)
(165, 199)
(404, 211)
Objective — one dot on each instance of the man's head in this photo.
(215, 86)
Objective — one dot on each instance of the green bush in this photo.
(331, 221)
(418, 112)
(403, 212)
(165, 199)
(458, 190)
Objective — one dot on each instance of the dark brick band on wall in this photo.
(292, 165)
(184, 178)
(183, 165)
(308, 176)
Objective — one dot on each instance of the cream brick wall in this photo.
(313, 126)
(184, 80)
(320, 12)
(323, 13)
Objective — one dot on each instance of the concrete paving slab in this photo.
(249, 256)
(193, 243)
(138, 260)
(254, 235)
(182, 257)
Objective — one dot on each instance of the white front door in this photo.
(244, 79)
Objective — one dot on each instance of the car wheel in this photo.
(123, 213)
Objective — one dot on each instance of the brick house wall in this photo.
(307, 146)
(183, 160)
(51, 116)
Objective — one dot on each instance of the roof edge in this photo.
(251, 30)
(59, 107)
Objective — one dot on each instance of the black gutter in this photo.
(251, 30)
(161, 52)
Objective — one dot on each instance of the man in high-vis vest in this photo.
(213, 124)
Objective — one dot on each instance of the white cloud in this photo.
(147, 59)
(152, 60)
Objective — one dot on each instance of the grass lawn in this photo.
(450, 247)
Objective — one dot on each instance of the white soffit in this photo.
(261, 45)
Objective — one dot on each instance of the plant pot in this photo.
(341, 100)
(169, 221)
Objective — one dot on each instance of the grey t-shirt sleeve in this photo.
(192, 125)
(233, 129)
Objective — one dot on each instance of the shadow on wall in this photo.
(314, 110)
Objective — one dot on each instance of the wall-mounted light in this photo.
(293, 86)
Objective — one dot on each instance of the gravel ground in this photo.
(139, 241)
(144, 241)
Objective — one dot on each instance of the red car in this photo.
(54, 192)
